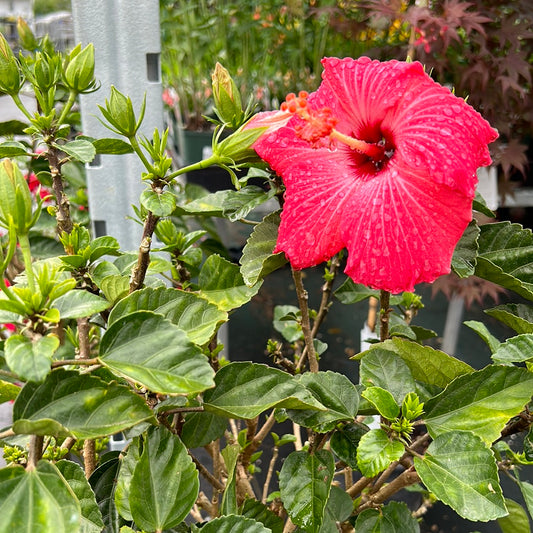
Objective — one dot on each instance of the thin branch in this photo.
(289, 526)
(89, 457)
(271, 465)
(138, 272)
(384, 315)
(7, 433)
(35, 451)
(358, 486)
(301, 293)
(78, 362)
(298, 442)
(207, 475)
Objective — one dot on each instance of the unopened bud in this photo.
(10, 79)
(15, 198)
(228, 105)
(238, 146)
(26, 37)
(119, 113)
(79, 72)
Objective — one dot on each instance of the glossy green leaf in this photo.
(8, 391)
(200, 429)
(37, 500)
(79, 149)
(305, 484)
(123, 484)
(426, 364)
(257, 260)
(29, 359)
(112, 146)
(222, 284)
(101, 408)
(147, 348)
(515, 350)
(103, 482)
(506, 257)
(338, 508)
(383, 401)
(385, 369)
(80, 303)
(234, 524)
(12, 127)
(245, 390)
(376, 452)
(492, 342)
(197, 317)
(160, 204)
(335, 392)
(481, 402)
(461, 472)
(230, 454)
(517, 316)
(91, 518)
(465, 254)
(516, 521)
(114, 287)
(345, 440)
(287, 322)
(261, 513)
(527, 493)
(480, 205)
(395, 517)
(165, 482)
(12, 149)
(104, 245)
(350, 292)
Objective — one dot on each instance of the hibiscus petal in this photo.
(402, 230)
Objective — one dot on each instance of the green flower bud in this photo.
(15, 199)
(238, 146)
(10, 79)
(46, 71)
(79, 71)
(119, 113)
(27, 39)
(228, 105)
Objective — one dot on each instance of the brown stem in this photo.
(358, 486)
(306, 328)
(89, 457)
(80, 362)
(385, 310)
(384, 476)
(63, 220)
(207, 475)
(138, 272)
(289, 526)
(271, 465)
(35, 451)
(247, 453)
(84, 344)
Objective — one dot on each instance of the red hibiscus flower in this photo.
(381, 160)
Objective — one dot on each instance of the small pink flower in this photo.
(169, 97)
(394, 180)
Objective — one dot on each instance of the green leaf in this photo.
(12, 127)
(517, 316)
(385, 369)
(426, 364)
(376, 452)
(383, 401)
(103, 482)
(101, 408)
(480, 206)
(395, 517)
(261, 513)
(114, 287)
(527, 494)
(515, 350)
(305, 484)
(516, 521)
(492, 342)
(221, 283)
(462, 472)
(197, 317)
(80, 303)
(112, 146)
(481, 402)
(123, 484)
(91, 518)
(12, 149)
(37, 500)
(257, 260)
(506, 257)
(80, 149)
(234, 524)
(338, 509)
(200, 429)
(345, 440)
(147, 348)
(230, 455)
(29, 359)
(8, 391)
(160, 204)
(286, 321)
(165, 482)
(465, 254)
(245, 390)
(335, 392)
(104, 245)
(350, 292)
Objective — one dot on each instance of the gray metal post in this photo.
(126, 37)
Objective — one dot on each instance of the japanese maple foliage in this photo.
(399, 203)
